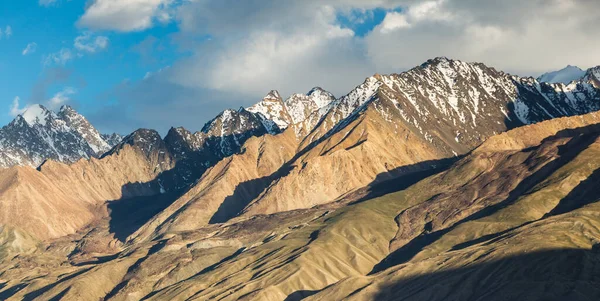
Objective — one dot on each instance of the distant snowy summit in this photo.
(565, 75)
(40, 134)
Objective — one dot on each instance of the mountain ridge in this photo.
(347, 141)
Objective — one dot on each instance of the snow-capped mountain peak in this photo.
(273, 94)
(272, 108)
(593, 75)
(36, 114)
(302, 106)
(40, 134)
(565, 75)
(321, 97)
(83, 127)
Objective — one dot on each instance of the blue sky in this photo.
(161, 63)
(127, 56)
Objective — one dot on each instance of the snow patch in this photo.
(36, 114)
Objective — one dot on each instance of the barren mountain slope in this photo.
(260, 157)
(59, 199)
(497, 221)
(345, 161)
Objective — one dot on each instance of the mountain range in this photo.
(449, 181)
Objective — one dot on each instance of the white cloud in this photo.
(89, 44)
(125, 15)
(393, 21)
(559, 32)
(427, 11)
(14, 108)
(61, 97)
(47, 2)
(150, 74)
(256, 46)
(31, 48)
(289, 46)
(430, 11)
(85, 43)
(53, 103)
(8, 32)
(58, 58)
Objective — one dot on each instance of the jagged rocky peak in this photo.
(226, 133)
(143, 138)
(66, 109)
(150, 143)
(468, 101)
(300, 107)
(272, 108)
(452, 69)
(112, 139)
(321, 97)
(81, 125)
(345, 105)
(19, 121)
(187, 150)
(181, 142)
(592, 75)
(273, 95)
(177, 134)
(231, 122)
(438, 62)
